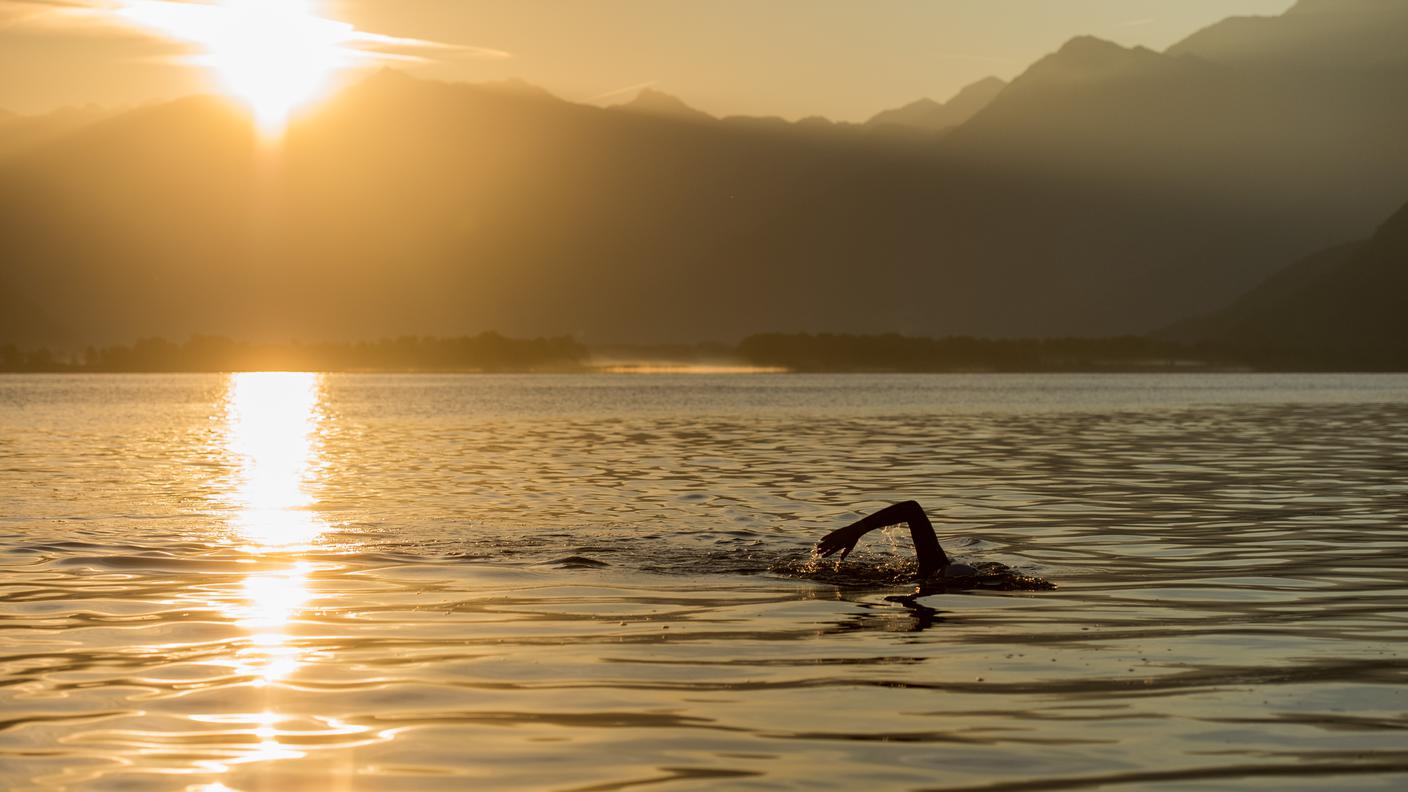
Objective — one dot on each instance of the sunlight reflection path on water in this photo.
(272, 424)
(272, 420)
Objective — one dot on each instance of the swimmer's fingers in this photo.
(826, 552)
(830, 543)
(843, 540)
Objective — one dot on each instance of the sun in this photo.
(273, 55)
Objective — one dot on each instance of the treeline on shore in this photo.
(893, 352)
(898, 353)
(483, 352)
(801, 352)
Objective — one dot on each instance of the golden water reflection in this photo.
(272, 599)
(272, 422)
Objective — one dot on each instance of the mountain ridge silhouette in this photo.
(927, 115)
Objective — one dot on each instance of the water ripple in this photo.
(605, 583)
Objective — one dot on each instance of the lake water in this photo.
(348, 582)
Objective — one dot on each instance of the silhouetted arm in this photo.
(926, 544)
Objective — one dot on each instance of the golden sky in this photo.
(844, 59)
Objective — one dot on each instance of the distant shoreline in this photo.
(707, 371)
(803, 353)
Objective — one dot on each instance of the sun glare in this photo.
(273, 55)
(271, 422)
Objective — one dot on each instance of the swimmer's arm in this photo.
(926, 544)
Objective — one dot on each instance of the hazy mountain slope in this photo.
(21, 132)
(1348, 304)
(922, 114)
(1105, 191)
(120, 224)
(566, 218)
(26, 325)
(1301, 136)
(1265, 299)
(971, 100)
(409, 206)
(1324, 148)
(406, 206)
(927, 115)
(1314, 33)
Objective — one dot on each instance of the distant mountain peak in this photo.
(923, 105)
(988, 83)
(515, 85)
(1094, 55)
(1091, 46)
(658, 103)
(1087, 59)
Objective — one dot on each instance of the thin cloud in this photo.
(389, 45)
(621, 91)
(963, 56)
(74, 16)
(1129, 23)
(32, 6)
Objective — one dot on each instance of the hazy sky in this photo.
(846, 59)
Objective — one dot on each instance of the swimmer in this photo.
(932, 559)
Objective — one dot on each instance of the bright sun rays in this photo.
(274, 55)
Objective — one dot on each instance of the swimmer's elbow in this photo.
(911, 512)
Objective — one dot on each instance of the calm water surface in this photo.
(284, 581)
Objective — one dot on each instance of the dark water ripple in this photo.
(603, 583)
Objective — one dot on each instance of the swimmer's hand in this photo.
(842, 539)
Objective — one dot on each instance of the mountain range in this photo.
(922, 117)
(1106, 190)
